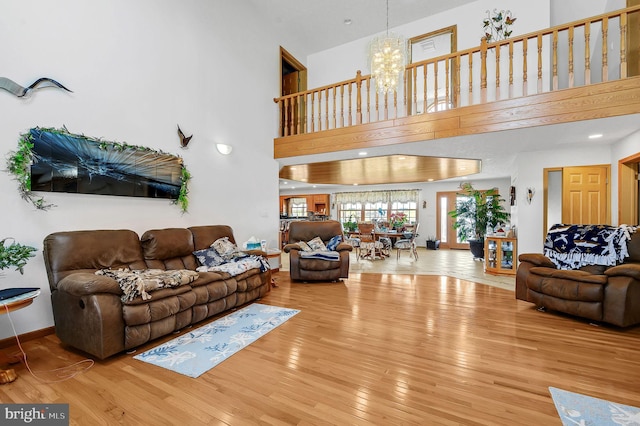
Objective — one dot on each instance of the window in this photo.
(298, 207)
(377, 206)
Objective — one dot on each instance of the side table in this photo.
(10, 305)
(273, 257)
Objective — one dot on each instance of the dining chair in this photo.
(408, 244)
(369, 246)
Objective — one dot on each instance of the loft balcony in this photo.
(583, 70)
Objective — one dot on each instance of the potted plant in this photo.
(432, 243)
(398, 220)
(15, 255)
(351, 225)
(475, 213)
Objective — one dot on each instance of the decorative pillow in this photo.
(333, 242)
(317, 244)
(304, 246)
(224, 247)
(209, 257)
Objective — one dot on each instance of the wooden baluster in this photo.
(555, 60)
(539, 63)
(326, 108)
(386, 105)
(435, 86)
(298, 114)
(525, 83)
(320, 109)
(335, 95)
(286, 117)
(424, 88)
(587, 53)
(571, 76)
(605, 53)
(395, 103)
(369, 100)
(350, 101)
(483, 70)
(498, 95)
(358, 97)
(312, 117)
(456, 90)
(377, 103)
(415, 90)
(342, 105)
(623, 45)
(404, 86)
(510, 68)
(470, 79)
(446, 83)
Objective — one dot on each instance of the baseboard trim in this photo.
(36, 334)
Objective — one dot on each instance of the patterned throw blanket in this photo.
(134, 283)
(238, 265)
(574, 246)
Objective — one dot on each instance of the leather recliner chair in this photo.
(310, 269)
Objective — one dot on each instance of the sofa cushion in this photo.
(167, 243)
(333, 242)
(224, 247)
(575, 275)
(317, 244)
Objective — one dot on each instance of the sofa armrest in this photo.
(625, 270)
(537, 259)
(85, 283)
(291, 246)
(344, 247)
(573, 275)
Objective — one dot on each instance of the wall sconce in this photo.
(224, 149)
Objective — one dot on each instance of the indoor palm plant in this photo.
(15, 255)
(476, 212)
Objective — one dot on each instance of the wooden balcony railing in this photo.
(580, 53)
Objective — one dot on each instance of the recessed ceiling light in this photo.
(285, 182)
(402, 158)
(362, 153)
(347, 21)
(292, 168)
(315, 186)
(595, 136)
(355, 184)
(429, 180)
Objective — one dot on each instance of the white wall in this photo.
(342, 62)
(137, 69)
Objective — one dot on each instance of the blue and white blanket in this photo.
(320, 254)
(574, 246)
(238, 265)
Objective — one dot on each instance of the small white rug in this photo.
(576, 409)
(202, 349)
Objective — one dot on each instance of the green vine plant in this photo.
(19, 165)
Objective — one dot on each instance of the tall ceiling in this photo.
(319, 25)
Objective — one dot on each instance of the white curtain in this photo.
(401, 196)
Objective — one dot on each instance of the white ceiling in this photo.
(319, 25)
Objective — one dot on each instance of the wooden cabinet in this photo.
(316, 203)
(500, 255)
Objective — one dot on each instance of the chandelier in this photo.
(387, 59)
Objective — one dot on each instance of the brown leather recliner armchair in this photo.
(310, 269)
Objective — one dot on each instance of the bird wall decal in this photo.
(13, 87)
(184, 140)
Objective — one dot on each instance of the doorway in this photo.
(579, 195)
(424, 47)
(293, 80)
(628, 189)
(444, 223)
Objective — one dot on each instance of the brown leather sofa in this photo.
(87, 308)
(303, 269)
(598, 293)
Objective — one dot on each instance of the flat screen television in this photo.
(75, 164)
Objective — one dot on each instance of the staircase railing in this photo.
(584, 52)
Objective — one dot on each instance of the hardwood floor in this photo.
(373, 349)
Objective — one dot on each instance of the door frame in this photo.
(628, 205)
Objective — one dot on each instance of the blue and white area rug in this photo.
(575, 409)
(202, 349)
